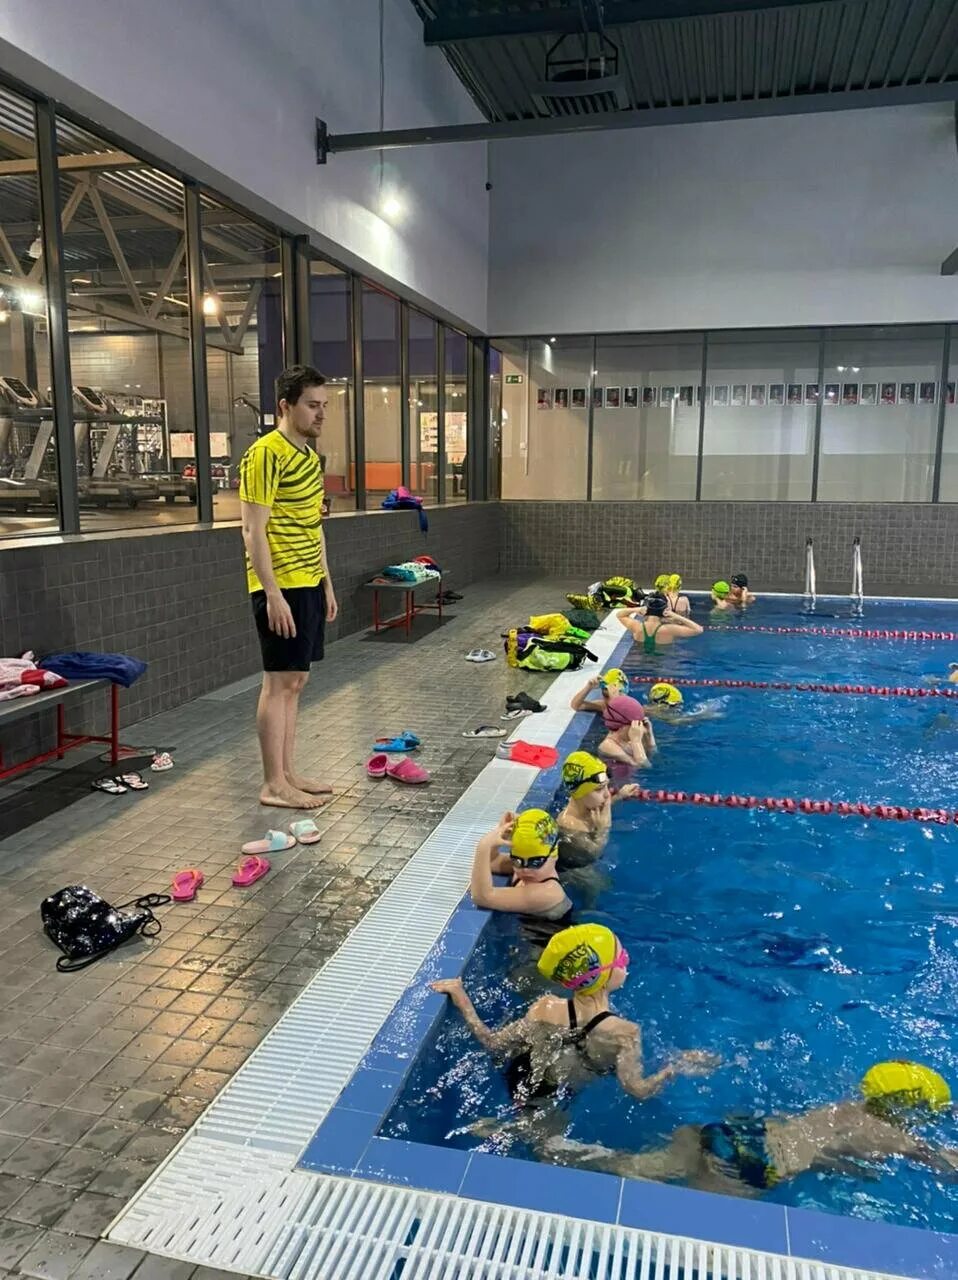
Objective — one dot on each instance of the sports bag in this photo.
(85, 926)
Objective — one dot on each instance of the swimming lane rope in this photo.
(787, 804)
(854, 635)
(880, 691)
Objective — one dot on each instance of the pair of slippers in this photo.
(304, 831)
(405, 770)
(186, 883)
(122, 783)
(480, 655)
(522, 702)
(404, 741)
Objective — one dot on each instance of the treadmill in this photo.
(91, 408)
(24, 488)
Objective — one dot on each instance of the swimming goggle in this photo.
(621, 961)
(599, 778)
(531, 864)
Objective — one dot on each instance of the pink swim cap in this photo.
(621, 711)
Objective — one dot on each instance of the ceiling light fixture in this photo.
(391, 207)
(210, 305)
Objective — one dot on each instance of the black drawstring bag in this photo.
(85, 927)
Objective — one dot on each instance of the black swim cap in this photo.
(656, 604)
(739, 580)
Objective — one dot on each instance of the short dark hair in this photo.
(292, 382)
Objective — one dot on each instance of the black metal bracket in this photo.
(322, 141)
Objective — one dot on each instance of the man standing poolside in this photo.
(281, 498)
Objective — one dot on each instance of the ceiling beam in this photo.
(95, 160)
(128, 222)
(648, 117)
(456, 28)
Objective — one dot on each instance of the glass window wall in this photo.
(29, 495)
(880, 415)
(243, 306)
(381, 392)
(949, 455)
(457, 415)
(761, 394)
(645, 417)
(546, 384)
(423, 404)
(332, 353)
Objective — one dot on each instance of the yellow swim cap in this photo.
(662, 581)
(721, 588)
(907, 1084)
(574, 952)
(675, 581)
(614, 681)
(583, 773)
(665, 695)
(535, 835)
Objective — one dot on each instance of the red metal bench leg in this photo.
(409, 611)
(61, 730)
(376, 611)
(114, 723)
(439, 599)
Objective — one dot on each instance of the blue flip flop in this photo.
(405, 741)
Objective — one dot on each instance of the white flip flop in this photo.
(480, 655)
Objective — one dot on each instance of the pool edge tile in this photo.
(836, 1240)
(682, 1211)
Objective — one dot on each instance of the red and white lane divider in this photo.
(787, 804)
(879, 691)
(854, 635)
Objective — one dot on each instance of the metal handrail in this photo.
(810, 583)
(857, 592)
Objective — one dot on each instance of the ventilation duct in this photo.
(581, 78)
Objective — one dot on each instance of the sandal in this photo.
(185, 884)
(376, 765)
(480, 655)
(110, 786)
(305, 831)
(161, 762)
(404, 741)
(251, 870)
(272, 842)
(407, 771)
(132, 780)
(485, 731)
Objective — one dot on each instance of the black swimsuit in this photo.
(518, 1071)
(540, 928)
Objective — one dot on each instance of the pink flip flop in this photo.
(250, 870)
(377, 765)
(185, 884)
(407, 770)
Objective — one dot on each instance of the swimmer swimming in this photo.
(567, 1043)
(630, 735)
(747, 1155)
(655, 626)
(585, 822)
(667, 703)
(950, 678)
(609, 684)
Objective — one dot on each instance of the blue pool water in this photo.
(799, 948)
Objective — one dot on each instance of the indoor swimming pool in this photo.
(801, 948)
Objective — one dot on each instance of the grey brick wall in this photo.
(904, 546)
(177, 598)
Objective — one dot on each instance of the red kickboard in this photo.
(530, 753)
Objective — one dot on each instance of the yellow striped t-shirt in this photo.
(275, 473)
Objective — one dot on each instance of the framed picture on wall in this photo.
(757, 395)
(562, 397)
(666, 396)
(794, 393)
(888, 393)
(906, 393)
(650, 397)
(850, 393)
(869, 393)
(544, 398)
(685, 394)
(720, 394)
(613, 397)
(813, 393)
(928, 393)
(739, 394)
(598, 397)
(832, 393)
(776, 393)
(578, 397)
(949, 393)
(631, 397)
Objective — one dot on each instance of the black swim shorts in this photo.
(308, 607)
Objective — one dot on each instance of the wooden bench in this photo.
(18, 708)
(411, 605)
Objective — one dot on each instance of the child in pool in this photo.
(667, 703)
(739, 593)
(585, 822)
(630, 736)
(609, 684)
(721, 592)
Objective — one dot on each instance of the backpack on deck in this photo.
(527, 649)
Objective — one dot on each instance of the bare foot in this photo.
(311, 788)
(289, 798)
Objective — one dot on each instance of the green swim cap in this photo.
(721, 588)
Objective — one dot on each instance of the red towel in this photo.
(529, 753)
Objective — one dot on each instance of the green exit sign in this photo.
(513, 377)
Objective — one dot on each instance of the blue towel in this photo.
(402, 502)
(115, 667)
